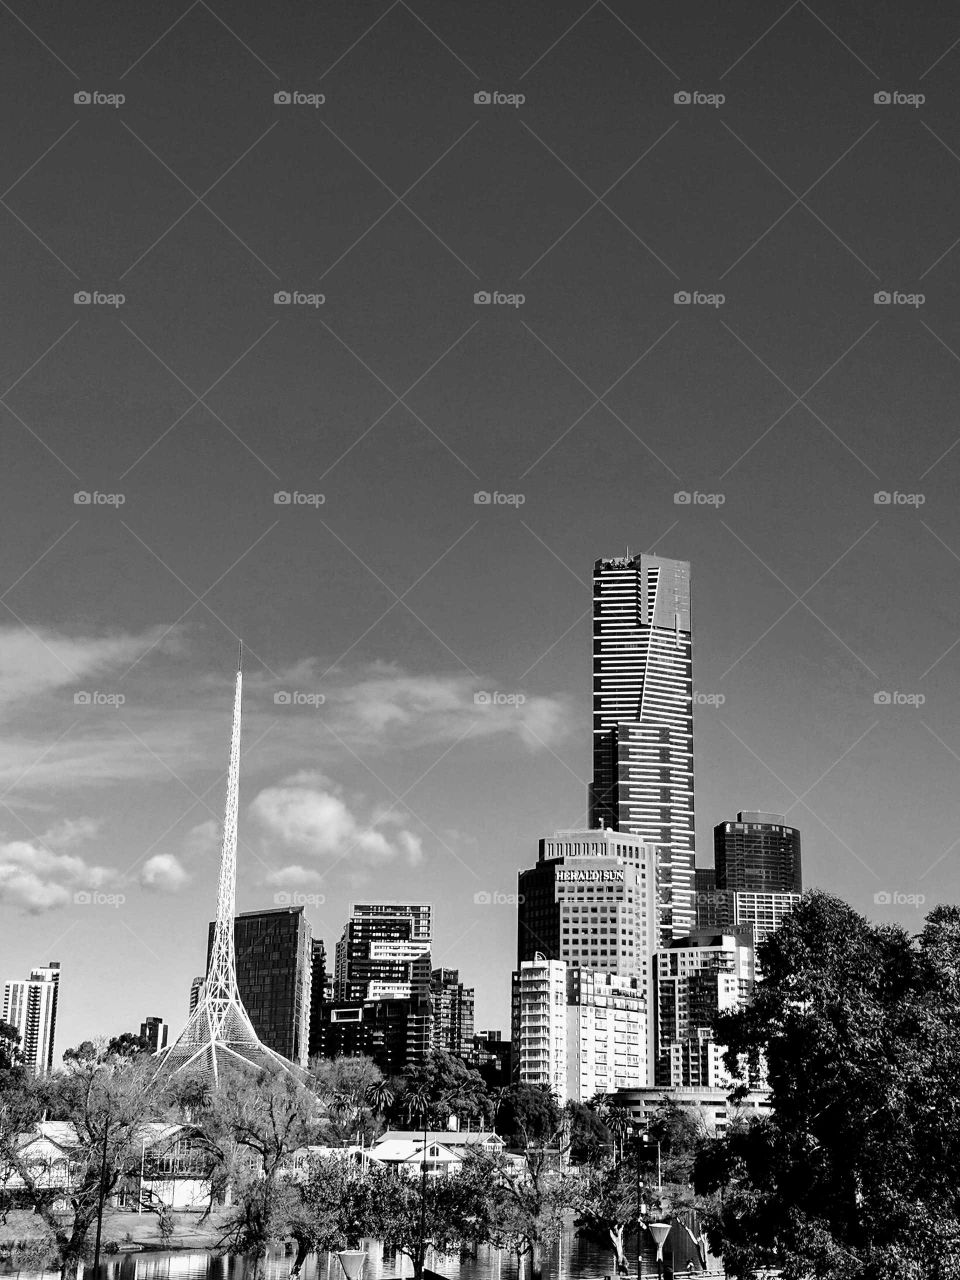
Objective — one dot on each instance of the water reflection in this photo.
(571, 1258)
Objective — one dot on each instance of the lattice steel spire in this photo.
(219, 1027)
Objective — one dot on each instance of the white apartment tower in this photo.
(31, 1007)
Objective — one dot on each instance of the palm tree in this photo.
(618, 1122)
(380, 1096)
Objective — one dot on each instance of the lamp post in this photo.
(659, 1231)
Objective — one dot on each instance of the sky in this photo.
(688, 220)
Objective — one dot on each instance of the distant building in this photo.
(31, 1007)
(492, 1056)
(196, 990)
(710, 1108)
(539, 1024)
(723, 909)
(384, 953)
(698, 976)
(452, 1010)
(392, 1032)
(155, 1031)
(758, 853)
(319, 995)
(274, 975)
(643, 719)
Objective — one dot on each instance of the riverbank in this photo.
(25, 1232)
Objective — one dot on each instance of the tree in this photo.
(531, 1116)
(105, 1108)
(344, 1084)
(128, 1045)
(328, 1207)
(589, 1136)
(414, 1216)
(856, 1172)
(608, 1202)
(449, 1086)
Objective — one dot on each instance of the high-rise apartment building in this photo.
(722, 909)
(643, 719)
(492, 1056)
(274, 974)
(31, 1007)
(384, 953)
(154, 1031)
(452, 1010)
(577, 1032)
(320, 994)
(758, 853)
(196, 991)
(698, 976)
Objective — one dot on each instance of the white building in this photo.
(539, 1021)
(698, 976)
(726, 908)
(31, 1007)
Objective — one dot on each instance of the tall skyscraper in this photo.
(196, 991)
(643, 719)
(319, 996)
(31, 1007)
(758, 853)
(274, 957)
(452, 1002)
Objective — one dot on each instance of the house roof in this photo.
(447, 1137)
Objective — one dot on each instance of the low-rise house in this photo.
(445, 1149)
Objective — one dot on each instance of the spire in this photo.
(219, 1026)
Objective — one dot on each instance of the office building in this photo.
(492, 1056)
(196, 991)
(394, 1033)
(643, 720)
(758, 853)
(697, 977)
(452, 1013)
(577, 1031)
(384, 953)
(274, 975)
(320, 994)
(154, 1031)
(31, 1008)
(722, 909)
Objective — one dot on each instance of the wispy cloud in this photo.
(35, 877)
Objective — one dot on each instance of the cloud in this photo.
(294, 874)
(203, 840)
(165, 873)
(317, 823)
(35, 878)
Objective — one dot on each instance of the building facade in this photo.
(758, 853)
(539, 1024)
(722, 909)
(274, 951)
(31, 1007)
(606, 1034)
(155, 1032)
(492, 1056)
(394, 1033)
(384, 953)
(452, 1013)
(697, 977)
(643, 719)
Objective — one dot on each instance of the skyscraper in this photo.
(154, 1030)
(318, 994)
(274, 976)
(31, 1007)
(452, 1028)
(643, 719)
(758, 853)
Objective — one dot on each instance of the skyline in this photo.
(399, 398)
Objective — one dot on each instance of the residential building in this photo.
(31, 1007)
(758, 853)
(539, 1024)
(697, 977)
(274, 975)
(394, 1033)
(722, 909)
(320, 993)
(452, 1010)
(606, 1034)
(196, 991)
(154, 1030)
(492, 1056)
(384, 953)
(712, 1109)
(643, 720)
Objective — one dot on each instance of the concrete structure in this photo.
(274, 958)
(155, 1030)
(320, 993)
(722, 909)
(711, 1108)
(643, 719)
(492, 1056)
(31, 1007)
(698, 976)
(384, 953)
(394, 1033)
(758, 853)
(539, 1024)
(452, 1012)
(606, 1034)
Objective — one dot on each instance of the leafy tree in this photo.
(128, 1045)
(608, 1200)
(588, 1135)
(531, 1116)
(328, 1207)
(413, 1215)
(345, 1085)
(450, 1088)
(856, 1172)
